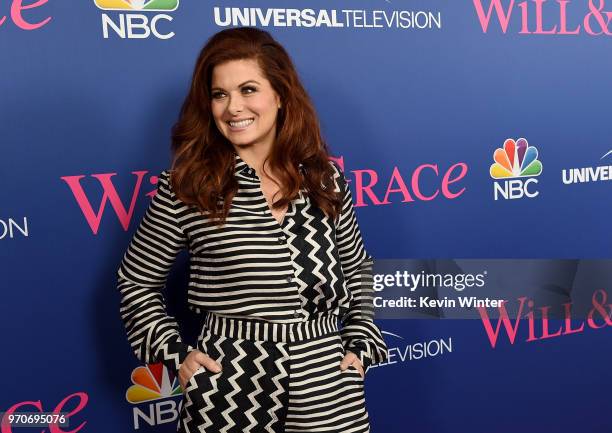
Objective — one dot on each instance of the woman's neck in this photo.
(254, 156)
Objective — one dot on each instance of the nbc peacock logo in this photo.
(138, 5)
(152, 382)
(515, 161)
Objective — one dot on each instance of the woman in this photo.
(276, 256)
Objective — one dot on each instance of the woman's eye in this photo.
(217, 95)
(248, 89)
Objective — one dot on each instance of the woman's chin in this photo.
(241, 143)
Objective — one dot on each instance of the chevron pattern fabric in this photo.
(275, 382)
(247, 395)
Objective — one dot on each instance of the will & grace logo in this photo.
(515, 170)
(528, 17)
(152, 389)
(134, 25)
(109, 195)
(599, 173)
(17, 7)
(538, 325)
(425, 182)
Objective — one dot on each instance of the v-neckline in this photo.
(282, 220)
(242, 168)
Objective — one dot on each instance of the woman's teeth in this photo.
(241, 124)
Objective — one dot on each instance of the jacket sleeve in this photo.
(152, 334)
(359, 333)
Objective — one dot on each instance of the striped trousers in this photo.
(276, 377)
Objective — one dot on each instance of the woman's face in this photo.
(244, 104)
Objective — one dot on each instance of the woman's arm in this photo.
(153, 335)
(359, 333)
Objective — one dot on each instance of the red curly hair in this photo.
(203, 159)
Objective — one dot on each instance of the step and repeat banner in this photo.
(477, 140)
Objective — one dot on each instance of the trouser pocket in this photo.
(250, 392)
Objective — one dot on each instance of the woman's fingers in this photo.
(348, 359)
(188, 368)
(351, 359)
(208, 363)
(194, 360)
(359, 367)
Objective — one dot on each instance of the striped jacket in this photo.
(252, 267)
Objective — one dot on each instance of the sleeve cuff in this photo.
(173, 352)
(360, 349)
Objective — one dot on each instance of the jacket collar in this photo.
(242, 168)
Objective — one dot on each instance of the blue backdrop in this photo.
(405, 91)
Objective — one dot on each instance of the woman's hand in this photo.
(192, 362)
(351, 359)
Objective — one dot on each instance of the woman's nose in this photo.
(236, 104)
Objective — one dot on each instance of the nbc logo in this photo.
(516, 161)
(133, 25)
(154, 384)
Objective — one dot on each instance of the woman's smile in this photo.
(240, 125)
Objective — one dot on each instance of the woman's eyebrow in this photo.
(239, 85)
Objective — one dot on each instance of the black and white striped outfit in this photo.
(281, 303)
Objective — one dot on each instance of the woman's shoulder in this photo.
(163, 178)
(166, 190)
(164, 182)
